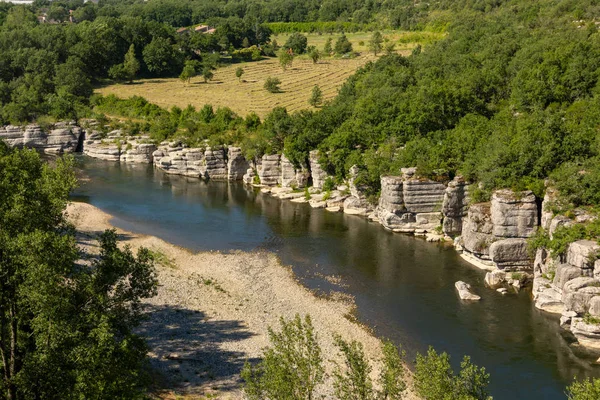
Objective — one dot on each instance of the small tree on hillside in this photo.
(239, 72)
(375, 44)
(286, 58)
(128, 70)
(207, 74)
(327, 49)
(188, 72)
(297, 42)
(353, 381)
(314, 54)
(316, 98)
(343, 45)
(272, 85)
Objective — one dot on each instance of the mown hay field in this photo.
(249, 95)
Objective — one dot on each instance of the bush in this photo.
(588, 389)
(353, 382)
(297, 42)
(343, 45)
(291, 368)
(272, 85)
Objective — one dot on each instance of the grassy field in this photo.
(405, 41)
(248, 95)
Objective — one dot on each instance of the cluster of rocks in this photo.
(207, 163)
(117, 147)
(62, 137)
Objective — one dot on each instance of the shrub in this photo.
(291, 368)
(588, 389)
(297, 42)
(391, 378)
(272, 85)
(353, 382)
(343, 45)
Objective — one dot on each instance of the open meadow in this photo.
(249, 94)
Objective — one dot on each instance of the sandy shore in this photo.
(212, 312)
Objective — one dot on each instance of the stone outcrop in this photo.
(409, 204)
(177, 159)
(116, 147)
(455, 206)
(356, 203)
(496, 233)
(269, 170)
(291, 176)
(317, 173)
(464, 291)
(63, 137)
(237, 165)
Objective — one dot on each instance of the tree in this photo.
(316, 98)
(297, 42)
(131, 65)
(160, 57)
(291, 368)
(188, 72)
(286, 58)
(343, 45)
(314, 54)
(327, 49)
(272, 85)
(65, 330)
(587, 389)
(353, 382)
(375, 44)
(391, 378)
(207, 73)
(435, 379)
(239, 72)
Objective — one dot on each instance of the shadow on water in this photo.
(403, 286)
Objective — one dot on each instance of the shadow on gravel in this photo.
(186, 347)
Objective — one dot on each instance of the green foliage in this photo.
(435, 379)
(239, 72)
(188, 72)
(66, 331)
(207, 74)
(161, 57)
(391, 378)
(375, 44)
(588, 389)
(291, 368)
(318, 27)
(327, 48)
(131, 65)
(286, 58)
(316, 97)
(342, 45)
(297, 42)
(314, 54)
(272, 85)
(353, 381)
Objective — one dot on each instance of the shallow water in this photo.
(403, 286)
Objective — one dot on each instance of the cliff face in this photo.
(409, 204)
(496, 233)
(63, 137)
(207, 163)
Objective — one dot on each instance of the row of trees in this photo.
(292, 368)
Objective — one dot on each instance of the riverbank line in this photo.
(213, 310)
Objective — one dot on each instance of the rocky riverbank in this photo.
(490, 235)
(212, 311)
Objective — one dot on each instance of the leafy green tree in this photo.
(239, 72)
(131, 65)
(327, 48)
(71, 78)
(272, 85)
(435, 379)
(353, 381)
(291, 368)
(343, 45)
(316, 97)
(160, 56)
(65, 331)
(207, 74)
(188, 72)
(314, 54)
(286, 58)
(375, 44)
(391, 378)
(587, 389)
(297, 42)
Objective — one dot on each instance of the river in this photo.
(403, 286)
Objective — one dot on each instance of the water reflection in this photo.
(403, 286)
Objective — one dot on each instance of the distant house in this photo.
(181, 31)
(211, 31)
(201, 28)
